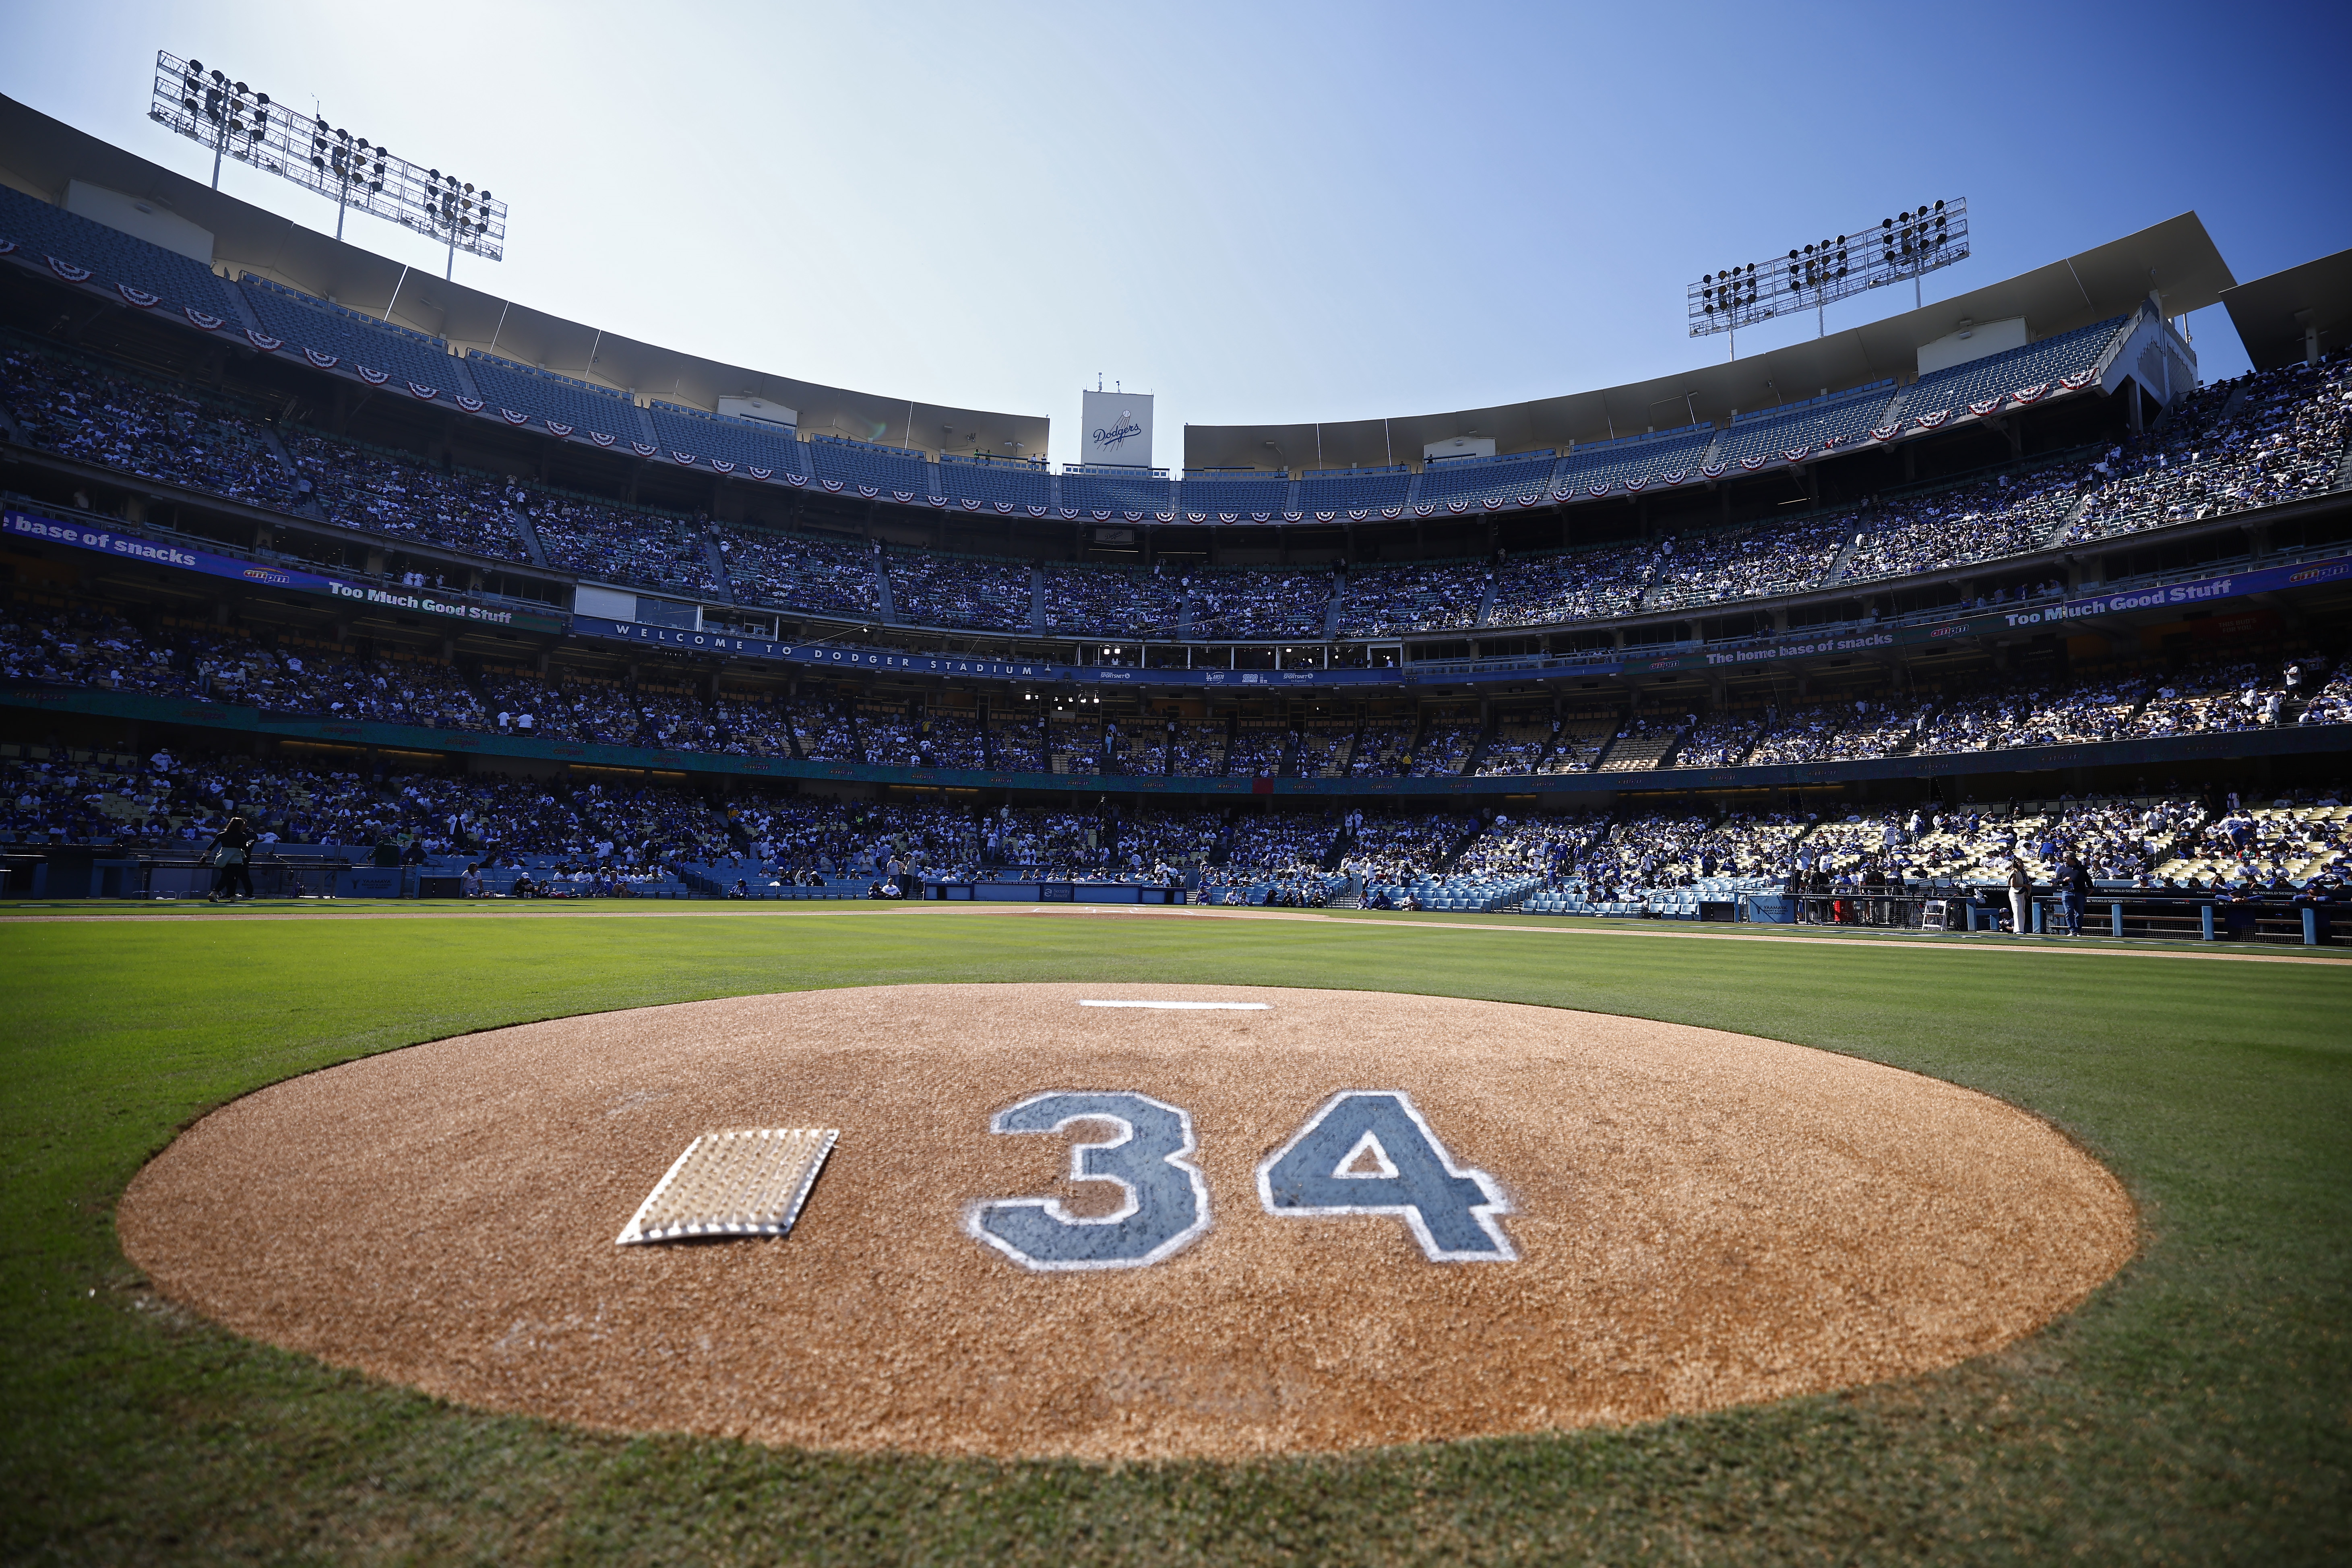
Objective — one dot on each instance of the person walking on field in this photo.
(2073, 892)
(2021, 894)
(230, 853)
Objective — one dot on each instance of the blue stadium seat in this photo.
(544, 395)
(308, 323)
(690, 430)
(894, 470)
(112, 255)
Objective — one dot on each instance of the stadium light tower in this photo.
(1911, 245)
(234, 122)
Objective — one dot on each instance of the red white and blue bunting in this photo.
(796, 478)
(373, 377)
(427, 393)
(263, 342)
(511, 417)
(559, 431)
(1796, 454)
(203, 322)
(1602, 489)
(470, 404)
(68, 271)
(723, 466)
(761, 473)
(833, 485)
(1636, 486)
(1040, 511)
(2079, 380)
(1005, 507)
(1983, 406)
(7, 247)
(1931, 420)
(1714, 471)
(642, 448)
(1327, 517)
(1752, 464)
(2032, 394)
(869, 492)
(1392, 512)
(328, 362)
(1165, 516)
(1675, 476)
(138, 297)
(599, 437)
(683, 459)
(1885, 432)
(970, 504)
(1362, 514)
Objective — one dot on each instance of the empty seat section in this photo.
(545, 395)
(1141, 492)
(112, 255)
(895, 469)
(308, 323)
(993, 484)
(1473, 478)
(1611, 463)
(1843, 418)
(1235, 494)
(2036, 365)
(704, 435)
(1354, 490)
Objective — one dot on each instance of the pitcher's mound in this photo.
(1399, 1218)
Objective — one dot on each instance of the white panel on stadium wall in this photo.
(761, 409)
(604, 602)
(1974, 339)
(1458, 446)
(141, 218)
(1116, 428)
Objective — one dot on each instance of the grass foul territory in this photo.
(2197, 1409)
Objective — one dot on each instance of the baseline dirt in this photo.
(1702, 1220)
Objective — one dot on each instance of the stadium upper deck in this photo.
(315, 473)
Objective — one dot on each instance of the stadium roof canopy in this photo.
(2175, 259)
(2273, 313)
(42, 156)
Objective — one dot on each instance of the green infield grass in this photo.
(2198, 1409)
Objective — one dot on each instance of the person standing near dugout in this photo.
(231, 853)
(2020, 894)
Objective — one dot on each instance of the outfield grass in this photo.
(2198, 1409)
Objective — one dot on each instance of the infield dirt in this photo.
(1701, 1219)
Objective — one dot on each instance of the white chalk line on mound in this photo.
(1191, 1007)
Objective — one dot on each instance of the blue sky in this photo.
(1258, 212)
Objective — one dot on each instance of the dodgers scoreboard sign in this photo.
(1114, 429)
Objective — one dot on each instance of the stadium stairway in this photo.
(715, 559)
(882, 587)
(1486, 607)
(1845, 555)
(1037, 601)
(530, 537)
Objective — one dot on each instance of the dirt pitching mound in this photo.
(1401, 1218)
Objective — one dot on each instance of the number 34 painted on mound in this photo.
(1364, 1153)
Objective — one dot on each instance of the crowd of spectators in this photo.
(1258, 602)
(2264, 437)
(361, 488)
(794, 571)
(1588, 585)
(1746, 562)
(78, 411)
(2034, 713)
(1116, 600)
(1720, 741)
(1834, 731)
(1384, 601)
(2006, 515)
(958, 591)
(600, 540)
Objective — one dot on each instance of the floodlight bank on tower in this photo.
(234, 122)
(1911, 245)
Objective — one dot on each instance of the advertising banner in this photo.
(128, 546)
